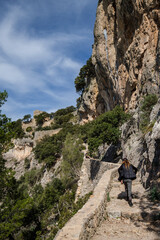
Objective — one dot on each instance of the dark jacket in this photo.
(127, 173)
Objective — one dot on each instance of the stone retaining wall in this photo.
(84, 223)
(91, 172)
(39, 135)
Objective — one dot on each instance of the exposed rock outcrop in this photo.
(32, 123)
(16, 157)
(126, 53)
(89, 102)
(39, 135)
(143, 149)
(21, 157)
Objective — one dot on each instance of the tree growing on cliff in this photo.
(86, 72)
(146, 107)
(72, 156)
(41, 118)
(27, 118)
(4, 121)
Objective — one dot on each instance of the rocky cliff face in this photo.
(126, 53)
(143, 150)
(126, 56)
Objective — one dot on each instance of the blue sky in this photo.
(43, 45)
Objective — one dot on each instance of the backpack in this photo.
(128, 173)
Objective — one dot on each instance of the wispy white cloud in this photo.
(40, 62)
(25, 54)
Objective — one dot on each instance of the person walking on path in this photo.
(127, 173)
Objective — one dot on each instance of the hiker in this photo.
(127, 173)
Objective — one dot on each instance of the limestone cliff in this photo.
(126, 54)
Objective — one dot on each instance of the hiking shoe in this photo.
(130, 203)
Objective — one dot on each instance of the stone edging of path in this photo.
(84, 223)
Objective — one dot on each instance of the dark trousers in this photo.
(128, 188)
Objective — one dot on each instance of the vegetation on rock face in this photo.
(78, 102)
(86, 72)
(146, 108)
(72, 157)
(64, 111)
(105, 129)
(29, 129)
(41, 118)
(48, 150)
(27, 118)
(8, 129)
(29, 211)
(62, 117)
(154, 194)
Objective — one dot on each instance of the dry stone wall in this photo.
(83, 224)
(91, 172)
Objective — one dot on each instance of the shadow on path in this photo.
(151, 214)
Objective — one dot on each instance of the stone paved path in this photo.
(129, 223)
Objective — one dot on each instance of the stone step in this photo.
(121, 209)
(128, 222)
(116, 229)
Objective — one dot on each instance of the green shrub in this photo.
(146, 108)
(78, 102)
(48, 150)
(86, 72)
(52, 193)
(148, 103)
(31, 177)
(105, 129)
(108, 197)
(64, 111)
(46, 128)
(154, 194)
(62, 117)
(41, 118)
(72, 157)
(29, 129)
(27, 118)
(26, 163)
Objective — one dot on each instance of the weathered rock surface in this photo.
(89, 102)
(143, 149)
(39, 135)
(16, 157)
(126, 54)
(22, 149)
(21, 157)
(32, 123)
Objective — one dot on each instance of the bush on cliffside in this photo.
(146, 107)
(154, 194)
(72, 157)
(41, 118)
(105, 129)
(62, 117)
(86, 72)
